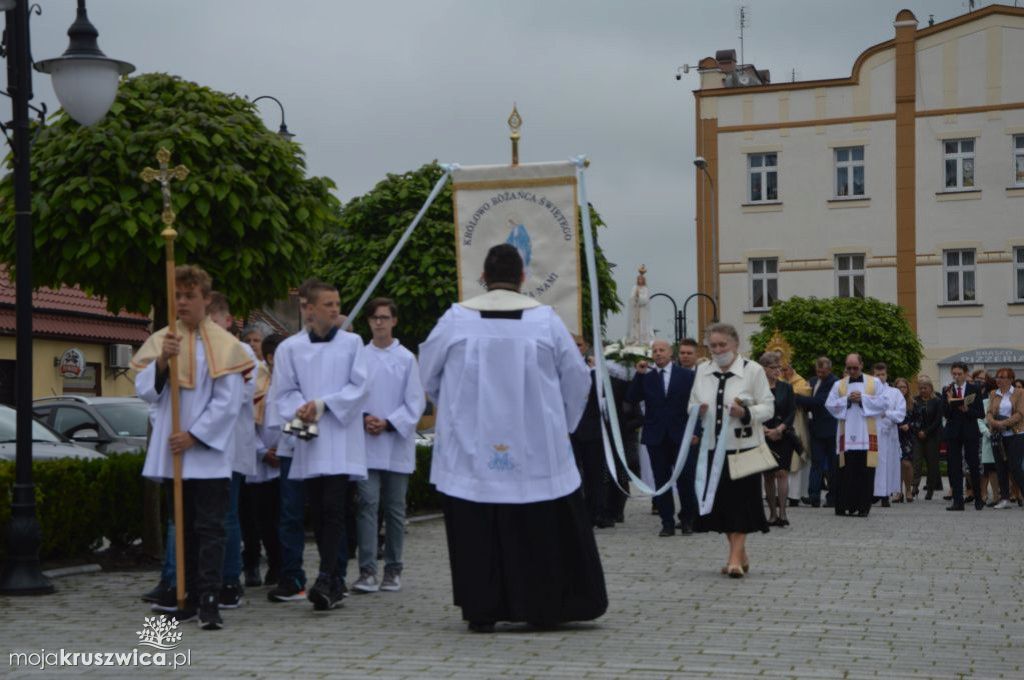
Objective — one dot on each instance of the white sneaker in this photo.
(392, 582)
(1001, 505)
(366, 583)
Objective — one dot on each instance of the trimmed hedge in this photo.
(79, 502)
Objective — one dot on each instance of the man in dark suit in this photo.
(588, 449)
(664, 390)
(962, 436)
(824, 459)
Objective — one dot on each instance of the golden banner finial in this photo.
(164, 175)
(515, 121)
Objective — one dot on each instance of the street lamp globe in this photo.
(84, 79)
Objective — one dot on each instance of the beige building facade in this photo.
(903, 182)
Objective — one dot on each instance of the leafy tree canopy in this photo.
(247, 213)
(423, 278)
(835, 327)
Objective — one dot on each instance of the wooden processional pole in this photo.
(164, 175)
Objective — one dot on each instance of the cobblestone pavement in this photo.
(910, 592)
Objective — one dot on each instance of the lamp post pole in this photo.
(714, 308)
(21, 573)
(677, 318)
(283, 130)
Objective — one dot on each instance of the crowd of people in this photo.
(268, 426)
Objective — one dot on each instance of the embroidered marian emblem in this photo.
(502, 459)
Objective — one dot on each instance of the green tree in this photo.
(247, 213)
(835, 327)
(423, 278)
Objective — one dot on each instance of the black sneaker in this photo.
(168, 601)
(209, 612)
(325, 594)
(289, 590)
(159, 593)
(252, 577)
(231, 595)
(187, 614)
(270, 578)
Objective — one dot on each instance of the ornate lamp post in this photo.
(85, 81)
(283, 130)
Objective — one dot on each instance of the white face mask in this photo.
(724, 359)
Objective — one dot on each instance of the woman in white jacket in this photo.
(734, 399)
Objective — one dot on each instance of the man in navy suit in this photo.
(824, 459)
(664, 390)
(963, 438)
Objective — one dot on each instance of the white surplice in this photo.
(334, 373)
(246, 444)
(855, 415)
(209, 411)
(887, 476)
(508, 393)
(397, 396)
(267, 438)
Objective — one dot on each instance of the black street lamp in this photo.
(283, 130)
(677, 318)
(714, 308)
(85, 82)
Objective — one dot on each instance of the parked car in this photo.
(46, 443)
(106, 424)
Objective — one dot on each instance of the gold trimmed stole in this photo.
(869, 388)
(224, 352)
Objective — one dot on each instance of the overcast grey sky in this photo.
(378, 86)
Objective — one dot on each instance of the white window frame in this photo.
(963, 159)
(845, 269)
(849, 165)
(961, 271)
(1018, 160)
(1018, 274)
(764, 171)
(764, 277)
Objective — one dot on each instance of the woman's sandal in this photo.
(734, 571)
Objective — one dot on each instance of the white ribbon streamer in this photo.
(706, 488)
(448, 169)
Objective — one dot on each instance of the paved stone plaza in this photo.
(910, 592)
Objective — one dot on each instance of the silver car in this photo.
(106, 424)
(46, 444)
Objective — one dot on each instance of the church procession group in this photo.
(293, 422)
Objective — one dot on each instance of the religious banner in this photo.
(533, 207)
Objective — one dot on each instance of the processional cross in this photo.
(164, 175)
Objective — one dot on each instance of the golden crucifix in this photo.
(515, 121)
(164, 175)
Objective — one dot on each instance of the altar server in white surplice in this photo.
(510, 385)
(887, 476)
(857, 401)
(211, 367)
(320, 379)
(394, 407)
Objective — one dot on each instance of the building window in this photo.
(959, 156)
(764, 282)
(764, 177)
(1018, 274)
(850, 171)
(1018, 160)
(850, 276)
(959, 270)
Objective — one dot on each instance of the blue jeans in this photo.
(386, 490)
(291, 529)
(823, 462)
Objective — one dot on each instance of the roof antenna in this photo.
(743, 20)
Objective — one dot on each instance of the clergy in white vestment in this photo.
(887, 476)
(510, 385)
(390, 415)
(211, 366)
(856, 402)
(320, 379)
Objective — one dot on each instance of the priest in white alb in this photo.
(856, 402)
(510, 385)
(887, 476)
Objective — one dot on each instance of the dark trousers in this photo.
(205, 504)
(856, 488)
(663, 459)
(291, 530)
(260, 508)
(823, 465)
(616, 501)
(1011, 465)
(957, 450)
(594, 471)
(926, 455)
(327, 495)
